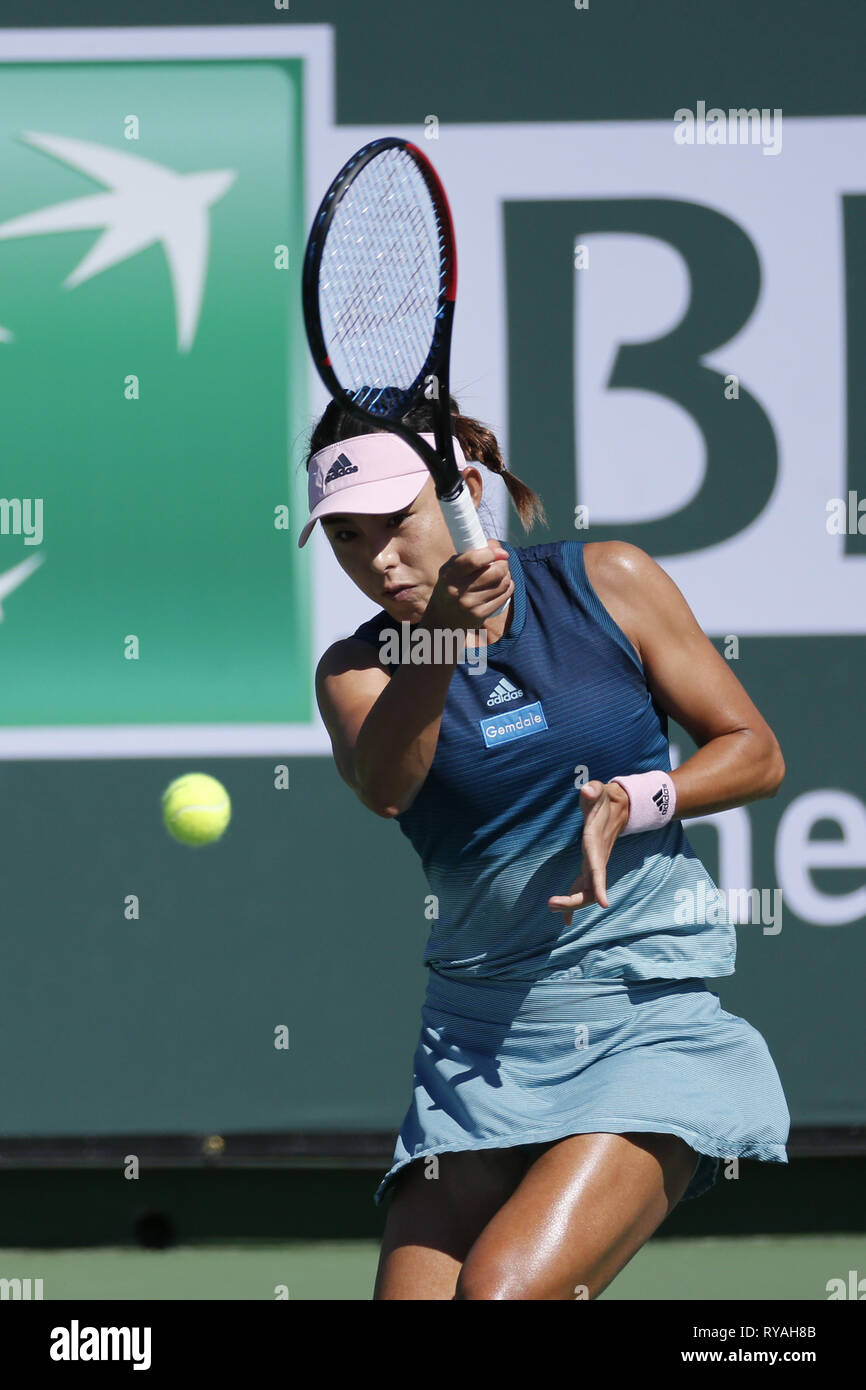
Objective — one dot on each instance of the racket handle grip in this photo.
(465, 528)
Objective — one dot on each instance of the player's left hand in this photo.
(605, 807)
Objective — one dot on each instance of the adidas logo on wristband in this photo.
(651, 803)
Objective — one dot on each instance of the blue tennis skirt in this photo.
(506, 1063)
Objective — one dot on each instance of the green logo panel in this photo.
(153, 375)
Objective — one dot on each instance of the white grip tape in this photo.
(465, 528)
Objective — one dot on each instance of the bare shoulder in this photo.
(348, 654)
(639, 595)
(626, 581)
(626, 574)
(620, 565)
(349, 681)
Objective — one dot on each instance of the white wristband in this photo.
(652, 800)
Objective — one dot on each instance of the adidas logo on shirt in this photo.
(662, 800)
(339, 468)
(504, 692)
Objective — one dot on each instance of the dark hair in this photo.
(479, 445)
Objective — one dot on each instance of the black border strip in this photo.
(317, 1149)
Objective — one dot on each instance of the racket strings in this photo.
(381, 282)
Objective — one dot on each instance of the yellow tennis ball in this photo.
(196, 808)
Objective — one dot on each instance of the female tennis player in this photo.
(575, 1077)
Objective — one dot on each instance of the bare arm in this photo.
(384, 729)
(738, 758)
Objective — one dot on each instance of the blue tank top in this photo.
(497, 821)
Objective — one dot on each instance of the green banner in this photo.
(153, 372)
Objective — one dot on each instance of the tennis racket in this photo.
(379, 289)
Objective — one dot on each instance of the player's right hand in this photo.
(470, 588)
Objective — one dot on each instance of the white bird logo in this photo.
(148, 203)
(10, 581)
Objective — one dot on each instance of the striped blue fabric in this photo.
(501, 1064)
(531, 1030)
(498, 825)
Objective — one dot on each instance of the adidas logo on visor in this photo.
(339, 468)
(504, 692)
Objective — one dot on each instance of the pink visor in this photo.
(367, 473)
